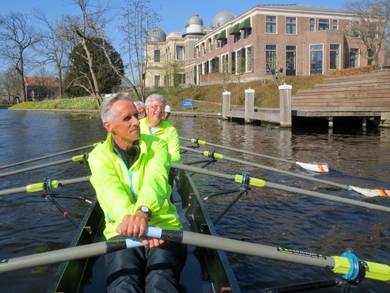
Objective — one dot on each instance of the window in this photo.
(237, 37)
(316, 59)
(323, 24)
(206, 67)
(334, 24)
(354, 32)
(270, 24)
(354, 57)
(215, 65)
(370, 57)
(224, 63)
(196, 52)
(156, 55)
(312, 24)
(247, 32)
(241, 60)
(270, 59)
(249, 59)
(157, 81)
(334, 56)
(233, 63)
(179, 52)
(179, 78)
(291, 53)
(291, 25)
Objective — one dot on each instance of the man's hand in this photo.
(134, 226)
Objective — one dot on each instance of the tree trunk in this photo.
(61, 82)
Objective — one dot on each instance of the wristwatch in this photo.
(146, 211)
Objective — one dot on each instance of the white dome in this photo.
(157, 35)
(194, 25)
(194, 20)
(221, 18)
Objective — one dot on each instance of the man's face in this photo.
(155, 111)
(124, 123)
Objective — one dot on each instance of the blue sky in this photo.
(174, 13)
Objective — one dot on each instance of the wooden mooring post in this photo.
(249, 105)
(225, 104)
(285, 105)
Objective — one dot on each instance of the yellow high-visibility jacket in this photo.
(166, 131)
(121, 191)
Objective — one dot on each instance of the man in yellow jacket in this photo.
(155, 124)
(129, 174)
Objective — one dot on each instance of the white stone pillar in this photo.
(225, 104)
(249, 105)
(285, 105)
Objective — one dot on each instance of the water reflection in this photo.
(264, 215)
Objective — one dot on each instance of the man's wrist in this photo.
(145, 211)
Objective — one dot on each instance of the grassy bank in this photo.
(206, 98)
(209, 98)
(82, 103)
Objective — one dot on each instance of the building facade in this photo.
(267, 39)
(39, 88)
(167, 57)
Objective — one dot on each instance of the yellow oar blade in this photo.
(371, 192)
(319, 167)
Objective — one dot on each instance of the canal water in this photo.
(31, 223)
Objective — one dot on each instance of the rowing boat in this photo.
(206, 270)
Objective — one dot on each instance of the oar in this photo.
(47, 156)
(315, 167)
(363, 191)
(78, 158)
(257, 182)
(347, 264)
(41, 186)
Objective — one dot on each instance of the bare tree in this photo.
(138, 19)
(54, 48)
(373, 20)
(16, 36)
(80, 31)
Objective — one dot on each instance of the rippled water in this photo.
(30, 223)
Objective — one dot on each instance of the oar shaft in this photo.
(37, 187)
(243, 151)
(343, 186)
(51, 257)
(202, 171)
(35, 167)
(47, 156)
(243, 247)
(327, 196)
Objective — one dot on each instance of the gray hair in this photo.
(139, 103)
(153, 98)
(108, 101)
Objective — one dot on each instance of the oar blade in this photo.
(317, 167)
(371, 192)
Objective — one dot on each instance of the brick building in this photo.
(39, 88)
(299, 40)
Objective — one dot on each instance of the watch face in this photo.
(145, 210)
